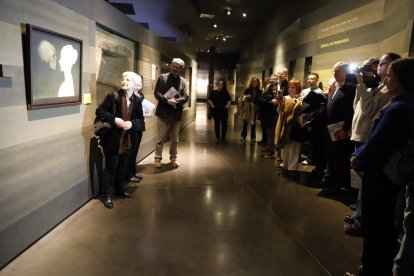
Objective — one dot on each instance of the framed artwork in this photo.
(115, 54)
(53, 68)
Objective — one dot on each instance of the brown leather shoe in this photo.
(353, 230)
(349, 219)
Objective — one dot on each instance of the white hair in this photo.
(178, 61)
(134, 76)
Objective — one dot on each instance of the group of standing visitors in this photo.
(358, 124)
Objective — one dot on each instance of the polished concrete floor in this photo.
(224, 211)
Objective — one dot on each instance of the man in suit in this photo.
(171, 93)
(339, 120)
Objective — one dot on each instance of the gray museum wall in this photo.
(327, 32)
(49, 160)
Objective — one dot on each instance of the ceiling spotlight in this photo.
(244, 14)
(228, 11)
(216, 37)
(215, 26)
(224, 39)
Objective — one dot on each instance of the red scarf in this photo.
(125, 142)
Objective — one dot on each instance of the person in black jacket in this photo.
(171, 93)
(251, 96)
(136, 135)
(268, 104)
(123, 111)
(340, 111)
(220, 100)
(269, 115)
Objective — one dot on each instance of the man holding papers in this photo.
(340, 111)
(171, 93)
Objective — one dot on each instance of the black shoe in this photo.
(325, 183)
(224, 141)
(137, 175)
(124, 194)
(360, 272)
(280, 168)
(269, 156)
(134, 179)
(349, 219)
(329, 191)
(292, 173)
(218, 141)
(353, 230)
(108, 202)
(261, 142)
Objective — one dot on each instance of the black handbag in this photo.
(400, 167)
(100, 128)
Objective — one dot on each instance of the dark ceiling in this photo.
(179, 21)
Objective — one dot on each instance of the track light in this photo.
(228, 11)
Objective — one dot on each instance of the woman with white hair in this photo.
(123, 111)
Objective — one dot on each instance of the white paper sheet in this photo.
(332, 128)
(147, 106)
(172, 93)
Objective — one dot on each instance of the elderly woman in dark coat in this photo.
(123, 111)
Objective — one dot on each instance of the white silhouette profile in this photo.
(68, 57)
(47, 53)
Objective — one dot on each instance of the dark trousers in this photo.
(252, 131)
(136, 137)
(380, 245)
(220, 120)
(270, 130)
(264, 131)
(338, 165)
(318, 148)
(114, 172)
